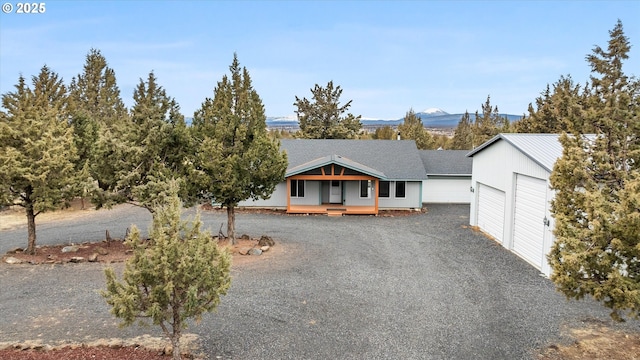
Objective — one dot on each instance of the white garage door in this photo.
(491, 211)
(447, 190)
(528, 226)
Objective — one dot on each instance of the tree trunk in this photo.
(176, 327)
(31, 228)
(231, 224)
(175, 344)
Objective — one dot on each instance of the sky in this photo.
(387, 56)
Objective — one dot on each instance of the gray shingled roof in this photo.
(396, 159)
(446, 162)
(544, 149)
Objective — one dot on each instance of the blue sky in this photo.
(388, 57)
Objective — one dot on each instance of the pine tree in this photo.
(463, 136)
(412, 129)
(324, 117)
(597, 183)
(236, 159)
(100, 121)
(158, 146)
(37, 152)
(178, 274)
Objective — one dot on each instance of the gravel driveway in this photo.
(356, 287)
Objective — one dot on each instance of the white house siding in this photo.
(352, 197)
(443, 189)
(312, 194)
(412, 199)
(277, 200)
(497, 166)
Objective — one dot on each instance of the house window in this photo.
(297, 188)
(400, 189)
(365, 188)
(384, 189)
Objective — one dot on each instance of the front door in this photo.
(335, 192)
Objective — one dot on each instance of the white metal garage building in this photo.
(510, 181)
(448, 176)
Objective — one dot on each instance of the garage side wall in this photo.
(497, 166)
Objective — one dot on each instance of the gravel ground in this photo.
(356, 287)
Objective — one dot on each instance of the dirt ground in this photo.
(595, 342)
(85, 353)
(117, 251)
(591, 342)
(15, 216)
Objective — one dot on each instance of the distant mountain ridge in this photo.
(431, 118)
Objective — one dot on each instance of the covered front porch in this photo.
(334, 186)
(333, 209)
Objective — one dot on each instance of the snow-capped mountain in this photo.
(283, 118)
(432, 112)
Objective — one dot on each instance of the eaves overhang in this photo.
(337, 160)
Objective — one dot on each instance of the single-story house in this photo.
(337, 177)
(448, 176)
(512, 194)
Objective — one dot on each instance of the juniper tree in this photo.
(540, 119)
(100, 121)
(597, 183)
(235, 159)
(556, 111)
(178, 274)
(568, 100)
(323, 117)
(384, 133)
(412, 129)
(157, 147)
(489, 124)
(463, 135)
(37, 152)
(441, 141)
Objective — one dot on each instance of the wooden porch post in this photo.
(288, 194)
(375, 190)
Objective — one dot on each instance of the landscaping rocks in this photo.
(266, 240)
(12, 260)
(70, 248)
